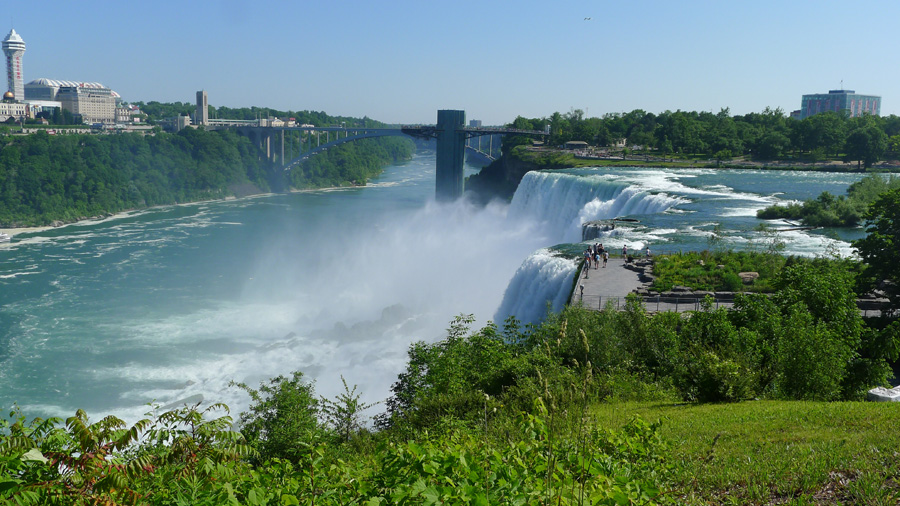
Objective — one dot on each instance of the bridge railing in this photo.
(503, 130)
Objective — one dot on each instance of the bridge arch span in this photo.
(449, 132)
(341, 140)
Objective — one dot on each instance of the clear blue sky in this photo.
(400, 61)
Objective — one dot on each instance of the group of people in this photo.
(594, 254)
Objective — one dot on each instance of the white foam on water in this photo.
(740, 211)
(544, 279)
(559, 203)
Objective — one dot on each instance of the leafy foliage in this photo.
(717, 270)
(766, 135)
(880, 249)
(499, 415)
(344, 413)
(282, 421)
(350, 163)
(66, 177)
(828, 210)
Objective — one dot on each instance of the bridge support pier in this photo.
(451, 149)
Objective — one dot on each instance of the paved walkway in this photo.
(605, 285)
(609, 286)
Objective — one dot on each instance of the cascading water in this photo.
(558, 204)
(562, 202)
(544, 277)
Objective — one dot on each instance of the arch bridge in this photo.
(450, 133)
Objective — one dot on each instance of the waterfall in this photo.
(543, 277)
(556, 204)
(559, 203)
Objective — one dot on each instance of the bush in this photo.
(282, 421)
(732, 282)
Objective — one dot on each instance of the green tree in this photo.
(282, 421)
(819, 347)
(865, 144)
(722, 154)
(771, 145)
(880, 249)
(345, 412)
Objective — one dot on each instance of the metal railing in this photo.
(661, 303)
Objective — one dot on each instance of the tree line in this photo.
(46, 178)
(352, 163)
(157, 111)
(767, 135)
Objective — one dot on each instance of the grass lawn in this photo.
(777, 452)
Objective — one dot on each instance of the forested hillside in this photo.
(351, 163)
(45, 178)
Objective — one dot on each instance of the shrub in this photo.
(731, 282)
(282, 421)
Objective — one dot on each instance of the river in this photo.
(173, 303)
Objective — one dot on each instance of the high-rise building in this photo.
(202, 116)
(838, 101)
(14, 47)
(89, 104)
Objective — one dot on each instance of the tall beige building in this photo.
(92, 105)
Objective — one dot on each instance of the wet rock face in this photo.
(594, 229)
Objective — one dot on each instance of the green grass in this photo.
(777, 452)
(700, 271)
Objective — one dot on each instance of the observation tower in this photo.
(14, 47)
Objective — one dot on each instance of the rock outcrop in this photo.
(881, 394)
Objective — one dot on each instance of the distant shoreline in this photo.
(14, 231)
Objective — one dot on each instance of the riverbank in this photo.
(23, 230)
(14, 231)
(582, 159)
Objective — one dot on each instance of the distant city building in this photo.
(11, 108)
(46, 89)
(89, 104)
(128, 114)
(39, 106)
(14, 47)
(474, 123)
(838, 101)
(202, 115)
(576, 145)
(182, 122)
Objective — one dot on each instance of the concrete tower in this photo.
(451, 153)
(14, 47)
(202, 116)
